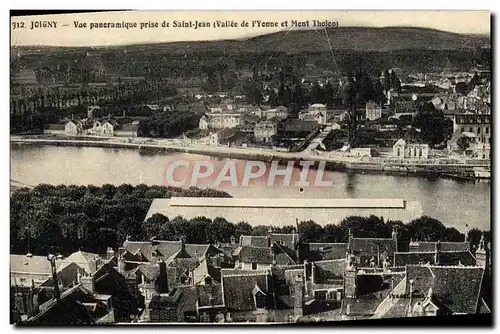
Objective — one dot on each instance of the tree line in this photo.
(63, 219)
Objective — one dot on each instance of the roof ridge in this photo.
(246, 274)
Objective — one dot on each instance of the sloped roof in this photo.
(360, 306)
(205, 292)
(254, 240)
(404, 258)
(165, 248)
(458, 288)
(287, 239)
(284, 255)
(328, 271)
(446, 246)
(454, 258)
(82, 259)
(31, 264)
(317, 105)
(151, 271)
(238, 290)
(372, 246)
(371, 104)
(326, 250)
(422, 277)
(251, 254)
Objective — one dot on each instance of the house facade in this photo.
(265, 130)
(219, 121)
(403, 150)
(373, 111)
(479, 124)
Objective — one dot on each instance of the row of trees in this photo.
(64, 219)
(168, 124)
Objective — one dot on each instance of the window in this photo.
(320, 295)
(462, 129)
(254, 266)
(470, 130)
(478, 130)
(487, 130)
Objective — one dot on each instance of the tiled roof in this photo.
(238, 294)
(284, 255)
(241, 272)
(82, 259)
(31, 264)
(454, 258)
(422, 277)
(430, 246)
(330, 271)
(205, 292)
(289, 239)
(359, 306)
(165, 248)
(458, 288)
(185, 264)
(326, 251)
(250, 254)
(404, 258)
(473, 119)
(373, 246)
(254, 240)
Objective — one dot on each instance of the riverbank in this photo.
(453, 170)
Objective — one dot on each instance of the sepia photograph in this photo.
(250, 167)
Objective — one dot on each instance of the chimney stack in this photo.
(298, 296)
(437, 252)
(88, 283)
(110, 253)
(162, 282)
(52, 259)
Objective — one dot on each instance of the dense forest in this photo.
(63, 219)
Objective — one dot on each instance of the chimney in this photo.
(93, 265)
(124, 112)
(162, 282)
(110, 253)
(313, 269)
(88, 283)
(437, 252)
(153, 247)
(305, 277)
(52, 260)
(298, 297)
(466, 233)
(411, 297)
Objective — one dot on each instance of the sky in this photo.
(65, 33)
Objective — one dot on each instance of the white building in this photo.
(317, 108)
(373, 111)
(265, 130)
(73, 128)
(278, 112)
(403, 150)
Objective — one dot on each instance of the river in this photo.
(455, 203)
